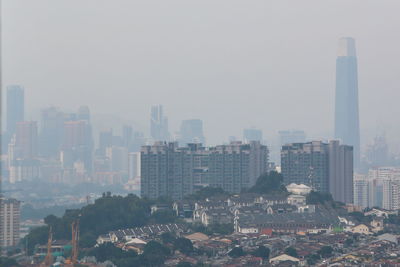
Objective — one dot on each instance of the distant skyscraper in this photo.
(84, 113)
(77, 143)
(252, 135)
(26, 139)
(292, 136)
(158, 124)
(15, 107)
(105, 140)
(191, 132)
(347, 128)
(51, 132)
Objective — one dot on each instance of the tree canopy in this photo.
(262, 252)
(291, 251)
(207, 192)
(268, 183)
(236, 252)
(315, 198)
(106, 214)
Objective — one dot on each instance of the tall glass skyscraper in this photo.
(347, 128)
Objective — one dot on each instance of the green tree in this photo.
(325, 251)
(167, 238)
(154, 254)
(315, 198)
(236, 252)
(184, 245)
(291, 251)
(207, 192)
(108, 251)
(8, 262)
(262, 252)
(268, 183)
(163, 217)
(184, 264)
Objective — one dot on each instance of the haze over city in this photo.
(199, 133)
(266, 64)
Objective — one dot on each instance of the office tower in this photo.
(191, 132)
(133, 165)
(340, 171)
(15, 107)
(169, 170)
(26, 139)
(347, 127)
(237, 166)
(9, 222)
(252, 135)
(324, 167)
(77, 144)
(127, 136)
(84, 113)
(105, 140)
(378, 152)
(51, 131)
(118, 157)
(158, 124)
(291, 136)
(306, 163)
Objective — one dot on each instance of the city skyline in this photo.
(256, 68)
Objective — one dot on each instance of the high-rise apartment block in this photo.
(169, 170)
(191, 132)
(15, 107)
(158, 124)
(326, 167)
(347, 128)
(9, 222)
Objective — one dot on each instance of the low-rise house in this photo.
(389, 237)
(159, 207)
(283, 258)
(216, 216)
(281, 208)
(298, 200)
(298, 189)
(286, 222)
(380, 212)
(183, 208)
(103, 239)
(361, 229)
(377, 224)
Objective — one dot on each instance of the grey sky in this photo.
(234, 64)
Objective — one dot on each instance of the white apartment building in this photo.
(9, 222)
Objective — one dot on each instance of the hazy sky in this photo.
(234, 64)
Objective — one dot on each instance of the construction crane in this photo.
(73, 259)
(48, 260)
(75, 242)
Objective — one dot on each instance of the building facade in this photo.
(9, 222)
(347, 128)
(169, 170)
(15, 107)
(325, 167)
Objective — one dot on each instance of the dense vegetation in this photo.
(28, 212)
(154, 254)
(269, 183)
(7, 262)
(207, 192)
(319, 198)
(106, 214)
